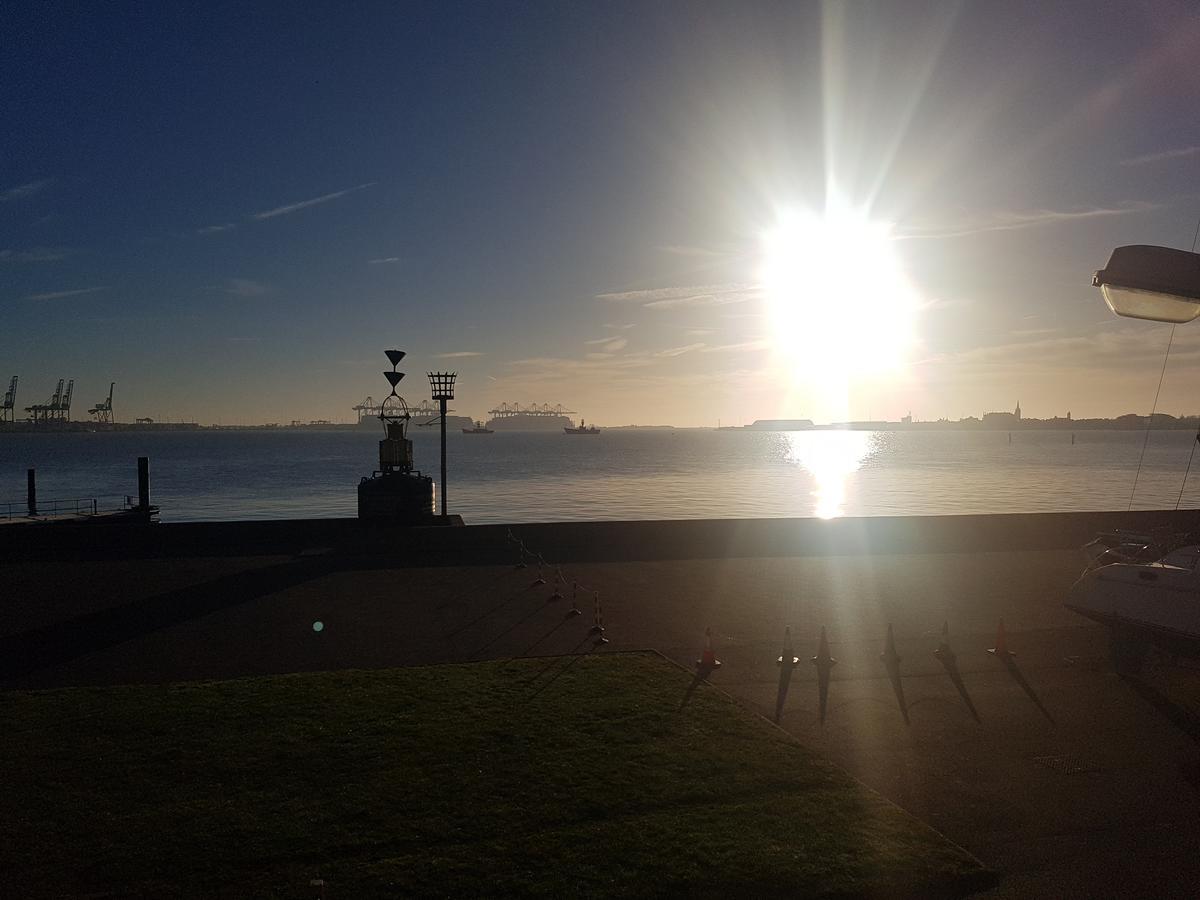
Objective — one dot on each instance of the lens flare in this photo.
(841, 307)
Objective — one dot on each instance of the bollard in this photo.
(31, 491)
(143, 482)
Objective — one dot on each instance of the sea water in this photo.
(620, 474)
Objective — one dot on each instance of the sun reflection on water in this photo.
(831, 457)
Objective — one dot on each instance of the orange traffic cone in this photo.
(708, 659)
(1001, 651)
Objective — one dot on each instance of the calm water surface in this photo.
(524, 477)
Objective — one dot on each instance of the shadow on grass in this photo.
(41, 648)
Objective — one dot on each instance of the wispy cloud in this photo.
(305, 204)
(761, 344)
(678, 351)
(32, 255)
(620, 327)
(23, 190)
(59, 295)
(1163, 156)
(244, 340)
(459, 354)
(246, 287)
(702, 295)
(214, 229)
(1011, 221)
(383, 260)
(610, 344)
(684, 250)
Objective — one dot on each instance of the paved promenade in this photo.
(1073, 781)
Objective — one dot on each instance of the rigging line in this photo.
(1179, 499)
(1191, 454)
(1150, 421)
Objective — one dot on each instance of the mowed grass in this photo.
(540, 777)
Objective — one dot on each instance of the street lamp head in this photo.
(442, 385)
(1156, 283)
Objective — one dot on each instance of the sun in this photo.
(840, 304)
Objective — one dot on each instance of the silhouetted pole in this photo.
(143, 482)
(442, 401)
(442, 384)
(31, 491)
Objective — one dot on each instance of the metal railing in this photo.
(75, 508)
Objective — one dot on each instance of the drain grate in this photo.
(1066, 765)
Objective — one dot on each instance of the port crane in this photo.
(103, 410)
(40, 412)
(10, 399)
(57, 408)
(368, 409)
(508, 410)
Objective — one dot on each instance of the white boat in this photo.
(1145, 588)
(1144, 603)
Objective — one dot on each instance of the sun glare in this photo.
(840, 304)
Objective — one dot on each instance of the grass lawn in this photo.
(514, 777)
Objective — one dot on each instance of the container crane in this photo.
(103, 410)
(7, 413)
(40, 412)
(64, 405)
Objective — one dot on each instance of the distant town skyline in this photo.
(671, 213)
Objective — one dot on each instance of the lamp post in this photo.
(442, 385)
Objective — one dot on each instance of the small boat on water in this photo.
(478, 429)
(583, 428)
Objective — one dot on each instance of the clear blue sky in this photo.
(232, 209)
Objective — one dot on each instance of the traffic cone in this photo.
(945, 655)
(891, 661)
(824, 663)
(787, 662)
(598, 620)
(787, 649)
(1001, 651)
(708, 659)
(943, 652)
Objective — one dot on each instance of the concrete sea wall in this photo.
(585, 541)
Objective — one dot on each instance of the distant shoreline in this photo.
(1124, 423)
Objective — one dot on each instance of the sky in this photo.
(231, 210)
